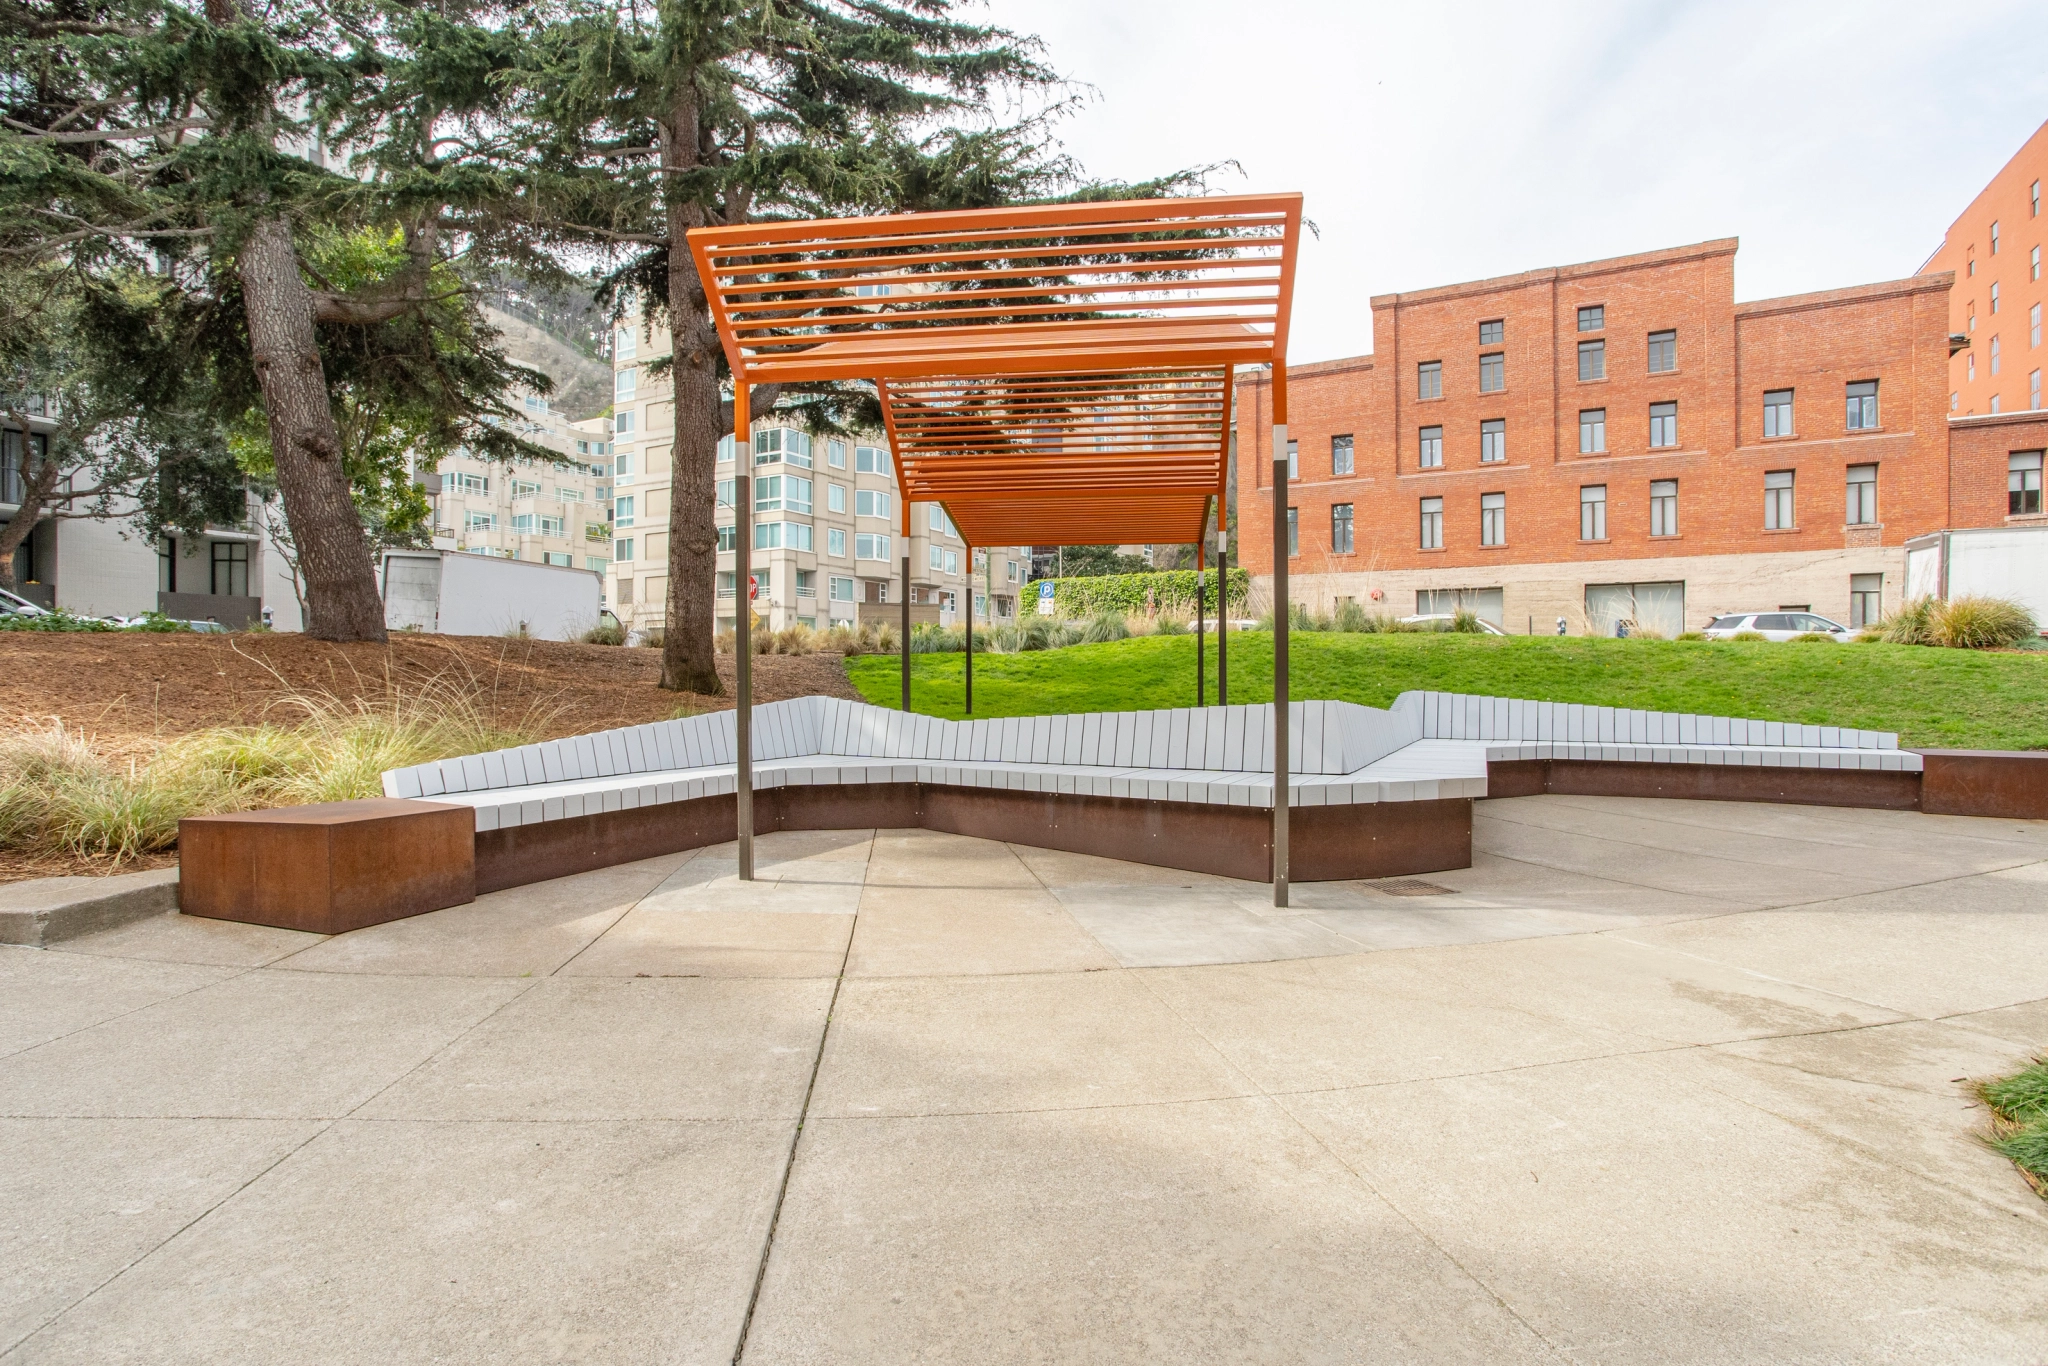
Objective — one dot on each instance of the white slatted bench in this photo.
(1376, 791)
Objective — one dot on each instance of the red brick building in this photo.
(1995, 251)
(1620, 439)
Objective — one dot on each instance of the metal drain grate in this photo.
(1411, 886)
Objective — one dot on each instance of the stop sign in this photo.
(753, 588)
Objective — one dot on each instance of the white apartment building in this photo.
(532, 510)
(828, 523)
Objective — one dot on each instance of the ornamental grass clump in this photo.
(1105, 627)
(61, 792)
(1980, 623)
(2019, 1120)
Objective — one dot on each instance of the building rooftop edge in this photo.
(1719, 246)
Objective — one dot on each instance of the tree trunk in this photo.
(688, 663)
(38, 479)
(341, 583)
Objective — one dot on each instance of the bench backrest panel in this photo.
(1467, 716)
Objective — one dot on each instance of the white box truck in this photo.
(1992, 562)
(455, 593)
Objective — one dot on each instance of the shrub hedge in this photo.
(1171, 590)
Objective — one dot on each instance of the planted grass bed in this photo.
(1933, 698)
(2019, 1125)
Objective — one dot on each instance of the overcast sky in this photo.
(1438, 142)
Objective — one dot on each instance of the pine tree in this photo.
(199, 144)
(648, 118)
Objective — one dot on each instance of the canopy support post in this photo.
(1282, 613)
(743, 618)
(970, 630)
(1201, 629)
(905, 641)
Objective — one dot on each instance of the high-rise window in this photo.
(1294, 460)
(1663, 507)
(2034, 389)
(840, 587)
(1493, 519)
(1430, 448)
(2034, 200)
(1340, 529)
(1970, 367)
(2034, 264)
(2023, 483)
(1593, 512)
(622, 423)
(835, 542)
(627, 344)
(1994, 296)
(1777, 412)
(622, 549)
(727, 492)
(622, 512)
(1995, 403)
(2034, 326)
(728, 538)
(835, 497)
(1866, 599)
(1294, 531)
(1592, 431)
(625, 383)
(870, 547)
(1493, 372)
(1994, 355)
(1493, 440)
(1862, 510)
(1778, 501)
(1490, 333)
(1593, 318)
(1340, 455)
(1862, 414)
(1663, 352)
(1433, 521)
(1592, 360)
(1994, 237)
(870, 460)
(1429, 379)
(870, 503)
(1663, 424)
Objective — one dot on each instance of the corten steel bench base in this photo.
(1887, 790)
(329, 868)
(1326, 843)
(1985, 782)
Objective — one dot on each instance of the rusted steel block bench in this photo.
(328, 868)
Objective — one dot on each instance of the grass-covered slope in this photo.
(1957, 699)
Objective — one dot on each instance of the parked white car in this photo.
(1776, 625)
(15, 606)
(1443, 621)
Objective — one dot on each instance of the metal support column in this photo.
(906, 607)
(1282, 613)
(1201, 629)
(970, 630)
(743, 618)
(1222, 609)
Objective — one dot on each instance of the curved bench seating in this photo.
(1375, 792)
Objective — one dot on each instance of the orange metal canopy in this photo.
(1052, 375)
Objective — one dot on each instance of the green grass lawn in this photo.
(1933, 698)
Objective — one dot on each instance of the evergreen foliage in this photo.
(1171, 592)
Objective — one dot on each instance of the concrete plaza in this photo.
(1651, 1081)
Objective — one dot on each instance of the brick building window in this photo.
(1994, 296)
(1663, 352)
(1778, 501)
(1862, 509)
(1994, 355)
(1430, 448)
(1492, 333)
(1340, 455)
(1433, 520)
(1663, 424)
(1340, 528)
(1970, 367)
(1866, 599)
(1592, 431)
(2034, 264)
(1593, 318)
(1493, 519)
(2034, 200)
(2034, 324)
(1593, 512)
(1293, 532)
(2034, 389)
(1862, 414)
(1294, 460)
(1663, 507)
(1493, 372)
(1994, 239)
(1429, 379)
(2023, 483)
(1493, 440)
(1994, 402)
(1777, 412)
(1592, 360)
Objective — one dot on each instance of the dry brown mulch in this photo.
(125, 689)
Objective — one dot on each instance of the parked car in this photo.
(15, 606)
(1443, 621)
(1776, 625)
